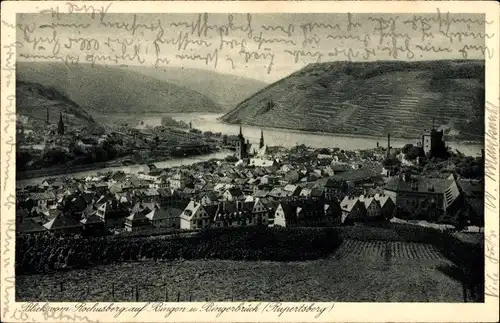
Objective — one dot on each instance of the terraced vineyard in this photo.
(389, 250)
(401, 98)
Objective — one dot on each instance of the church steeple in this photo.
(261, 143)
(241, 148)
(60, 126)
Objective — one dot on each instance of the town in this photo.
(422, 184)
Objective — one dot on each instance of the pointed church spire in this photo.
(241, 133)
(261, 143)
(60, 126)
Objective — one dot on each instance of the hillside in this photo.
(33, 100)
(226, 90)
(106, 89)
(373, 98)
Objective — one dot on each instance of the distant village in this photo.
(42, 145)
(258, 186)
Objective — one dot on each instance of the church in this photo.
(244, 147)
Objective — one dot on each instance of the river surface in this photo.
(272, 137)
(290, 138)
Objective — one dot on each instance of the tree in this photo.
(391, 161)
(414, 152)
(231, 158)
(406, 148)
(55, 156)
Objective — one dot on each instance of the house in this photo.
(100, 188)
(317, 193)
(28, 226)
(372, 207)
(335, 189)
(166, 196)
(197, 216)
(93, 225)
(305, 192)
(233, 214)
(306, 213)
(270, 180)
(279, 193)
(42, 199)
(165, 217)
(63, 225)
(261, 211)
(233, 194)
(261, 193)
(112, 213)
(179, 181)
(259, 162)
(353, 210)
(149, 195)
(137, 220)
(293, 190)
(338, 168)
(333, 214)
(210, 198)
(408, 192)
(387, 205)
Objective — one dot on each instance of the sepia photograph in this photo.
(248, 157)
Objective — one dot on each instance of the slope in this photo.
(373, 98)
(33, 100)
(114, 90)
(225, 89)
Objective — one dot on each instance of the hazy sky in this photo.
(261, 46)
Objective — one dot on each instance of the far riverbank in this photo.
(38, 176)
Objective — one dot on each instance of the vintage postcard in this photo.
(250, 161)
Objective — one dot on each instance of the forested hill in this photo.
(104, 89)
(35, 100)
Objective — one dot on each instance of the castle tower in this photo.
(261, 143)
(60, 125)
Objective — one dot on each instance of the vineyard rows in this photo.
(388, 249)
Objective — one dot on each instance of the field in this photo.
(383, 271)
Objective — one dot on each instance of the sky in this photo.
(265, 47)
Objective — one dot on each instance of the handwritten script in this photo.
(262, 44)
(491, 197)
(62, 312)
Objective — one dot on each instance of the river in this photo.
(289, 138)
(134, 168)
(272, 137)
